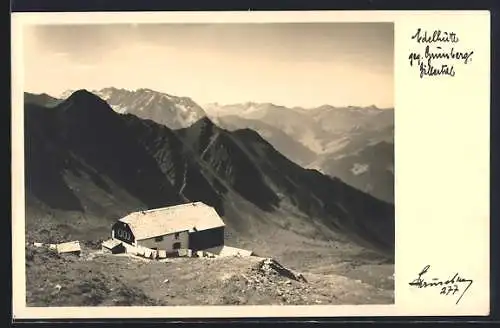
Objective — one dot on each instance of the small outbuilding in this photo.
(228, 251)
(72, 247)
(113, 246)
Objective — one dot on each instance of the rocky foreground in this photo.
(98, 279)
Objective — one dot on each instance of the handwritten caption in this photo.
(453, 285)
(439, 55)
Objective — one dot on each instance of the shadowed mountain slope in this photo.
(42, 99)
(82, 142)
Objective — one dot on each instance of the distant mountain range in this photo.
(323, 130)
(172, 111)
(86, 160)
(370, 169)
(314, 138)
(41, 99)
(283, 142)
(332, 140)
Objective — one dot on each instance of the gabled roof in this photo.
(163, 221)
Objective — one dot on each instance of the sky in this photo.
(289, 64)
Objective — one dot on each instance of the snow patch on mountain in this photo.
(119, 109)
(172, 111)
(66, 94)
(358, 168)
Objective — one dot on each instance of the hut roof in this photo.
(195, 216)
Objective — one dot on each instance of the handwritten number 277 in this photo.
(449, 289)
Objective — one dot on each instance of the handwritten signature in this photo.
(448, 287)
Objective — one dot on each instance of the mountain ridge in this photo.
(172, 111)
(203, 161)
(313, 138)
(319, 137)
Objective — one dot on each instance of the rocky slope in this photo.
(97, 279)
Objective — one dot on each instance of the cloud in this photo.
(288, 64)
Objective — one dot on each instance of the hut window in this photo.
(176, 236)
(122, 234)
(159, 238)
(176, 245)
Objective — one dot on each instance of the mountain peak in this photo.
(326, 107)
(66, 94)
(146, 90)
(85, 97)
(204, 121)
(81, 93)
(112, 89)
(85, 101)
